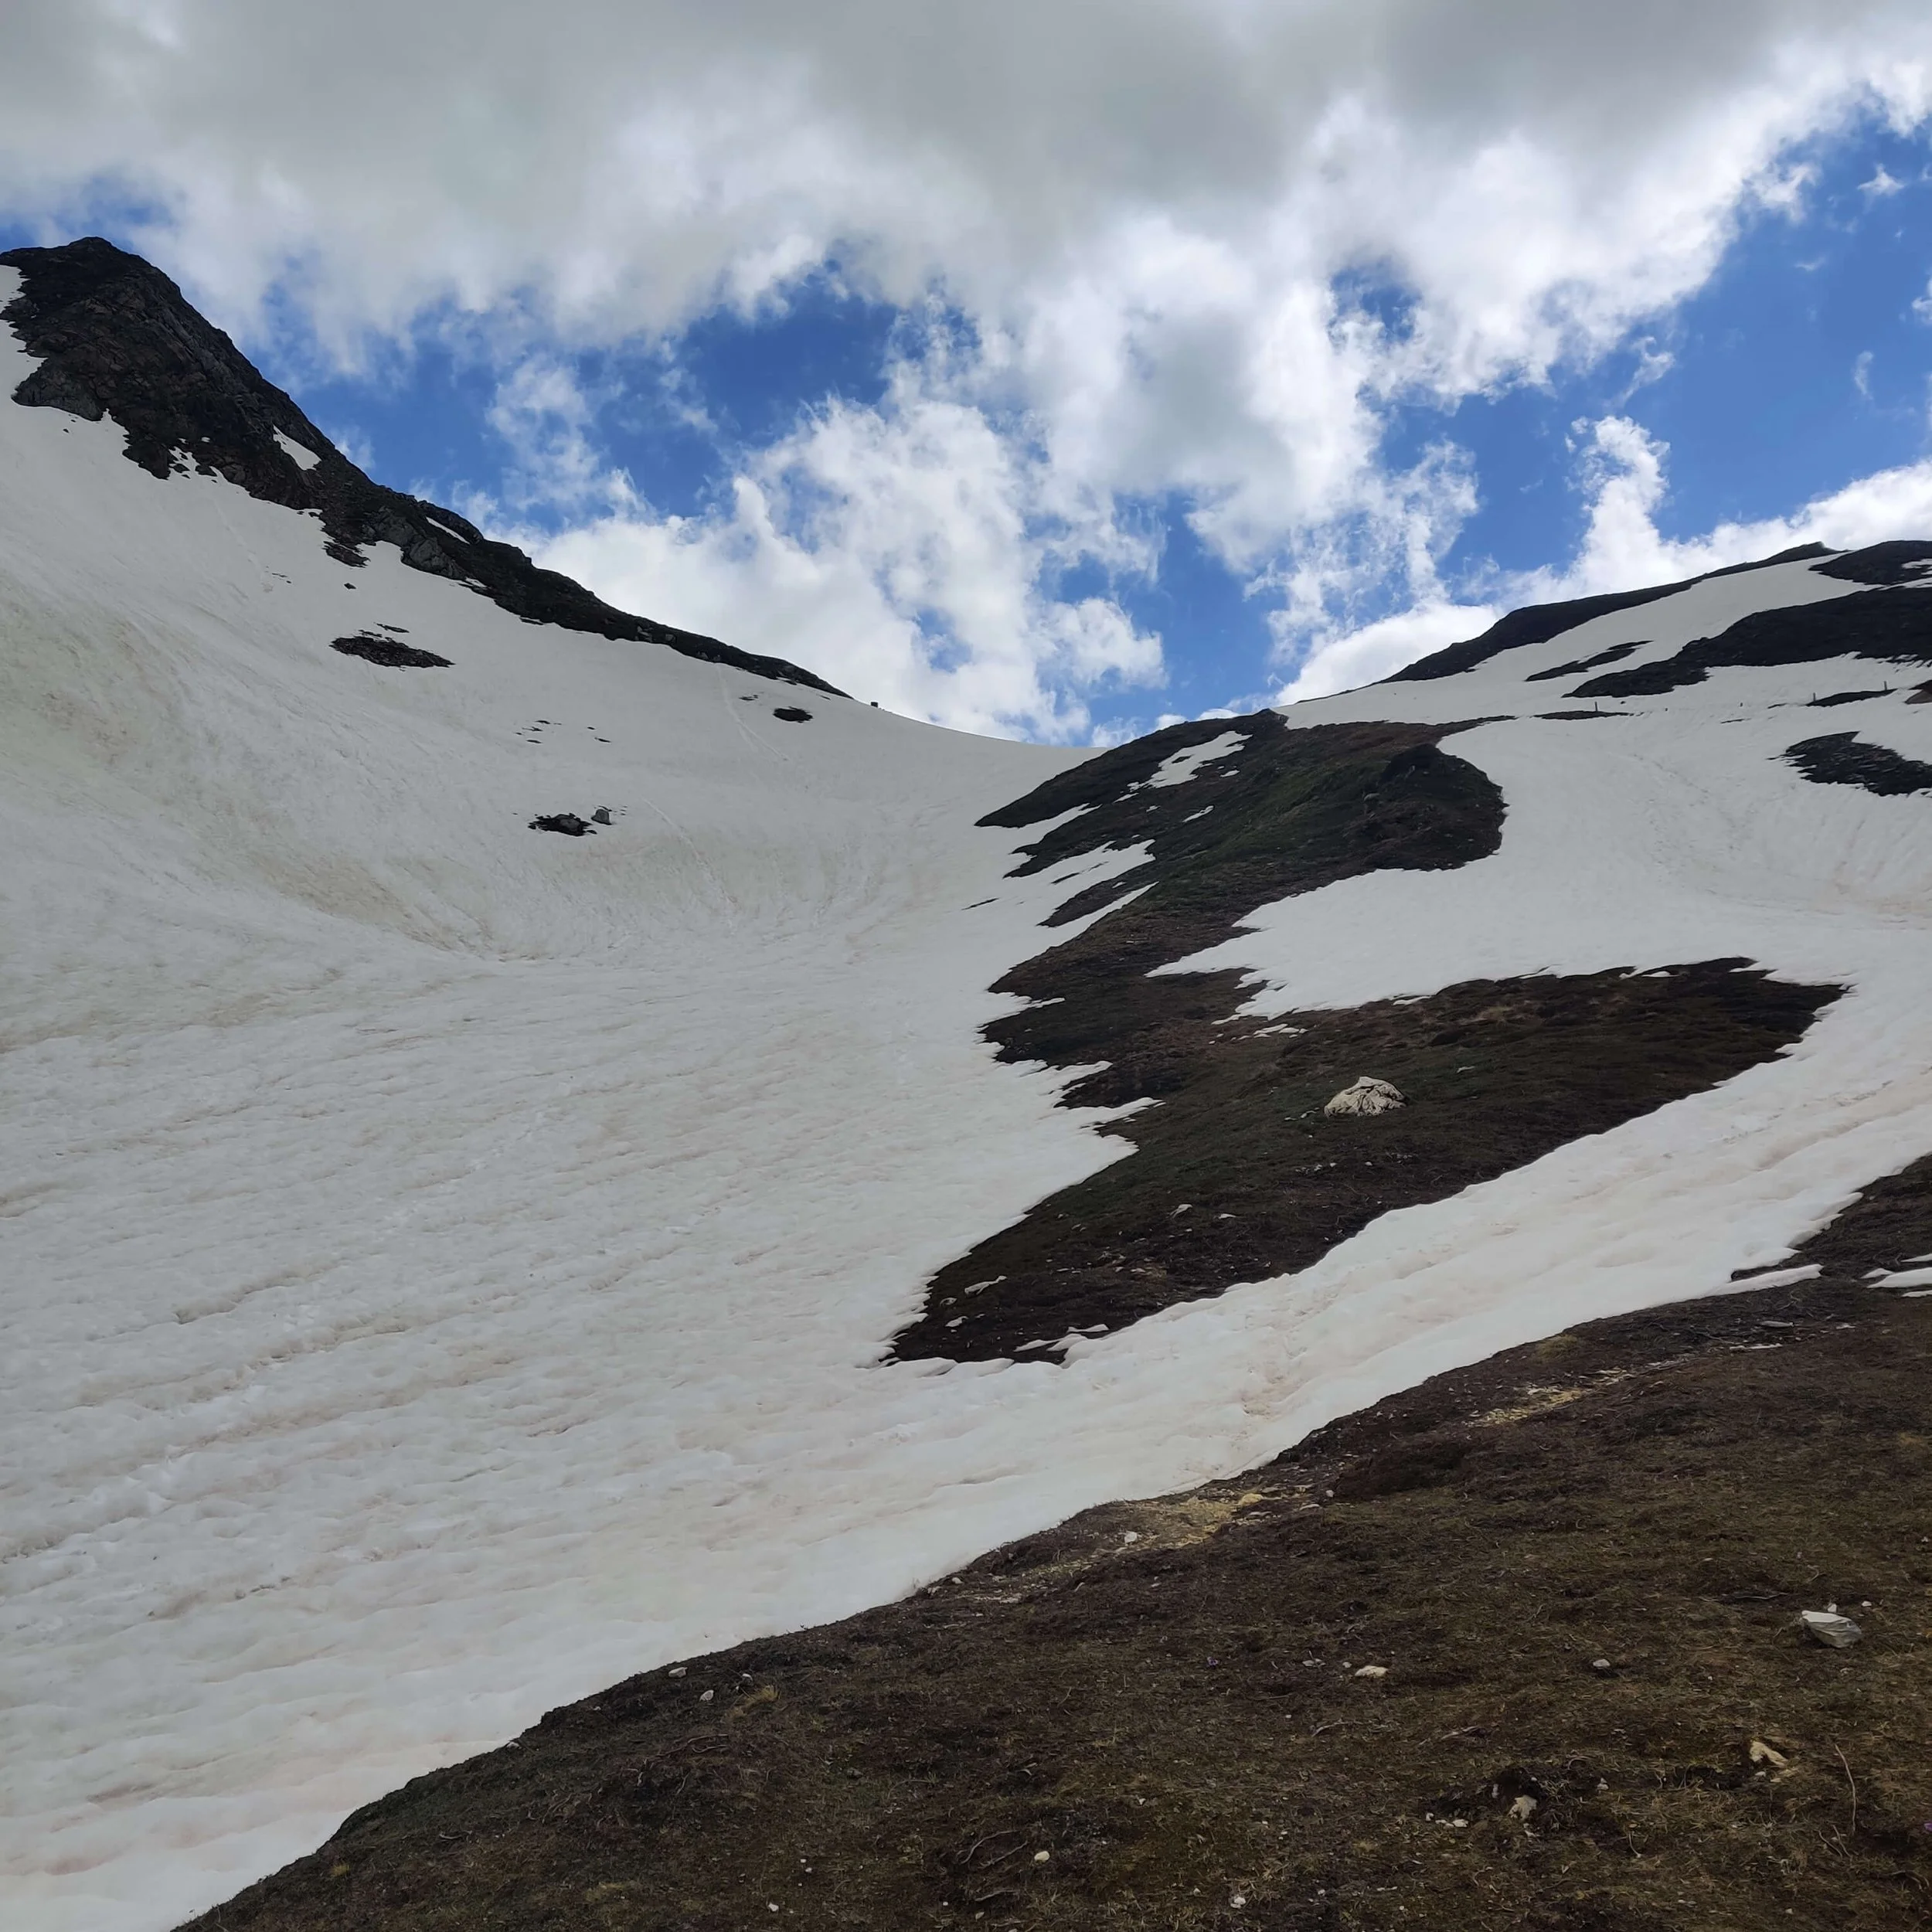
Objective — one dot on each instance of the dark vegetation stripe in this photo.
(1235, 1174)
(1889, 626)
(1538, 623)
(1580, 1563)
(1849, 697)
(116, 337)
(1840, 758)
(387, 651)
(1577, 665)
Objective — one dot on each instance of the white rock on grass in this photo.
(1367, 1096)
(1828, 1627)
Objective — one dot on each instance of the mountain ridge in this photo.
(117, 338)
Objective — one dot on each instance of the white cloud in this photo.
(1623, 547)
(1367, 655)
(1144, 214)
(541, 414)
(901, 552)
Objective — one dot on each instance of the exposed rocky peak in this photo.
(116, 337)
(1901, 561)
(1538, 623)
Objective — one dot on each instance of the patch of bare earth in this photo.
(1580, 1565)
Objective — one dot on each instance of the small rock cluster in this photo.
(570, 824)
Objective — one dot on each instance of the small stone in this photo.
(1525, 1809)
(677, 1670)
(1040, 1857)
(1237, 1902)
(704, 1697)
(1373, 1670)
(1763, 1753)
(602, 815)
(1130, 1535)
(1599, 1663)
(1840, 1633)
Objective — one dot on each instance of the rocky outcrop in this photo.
(116, 337)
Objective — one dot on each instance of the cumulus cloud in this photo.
(1149, 216)
(1625, 471)
(905, 551)
(1366, 655)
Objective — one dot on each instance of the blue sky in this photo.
(1800, 366)
(1026, 410)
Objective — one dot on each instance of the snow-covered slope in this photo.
(446, 1264)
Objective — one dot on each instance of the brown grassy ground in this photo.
(1169, 1731)
(1235, 1175)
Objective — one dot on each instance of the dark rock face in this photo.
(117, 338)
(1535, 624)
(792, 714)
(1902, 562)
(387, 651)
(1886, 627)
(1538, 623)
(1577, 666)
(566, 822)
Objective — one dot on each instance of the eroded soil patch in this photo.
(1579, 1564)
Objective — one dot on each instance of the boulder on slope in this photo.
(1367, 1096)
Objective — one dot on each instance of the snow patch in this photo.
(299, 453)
(1178, 769)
